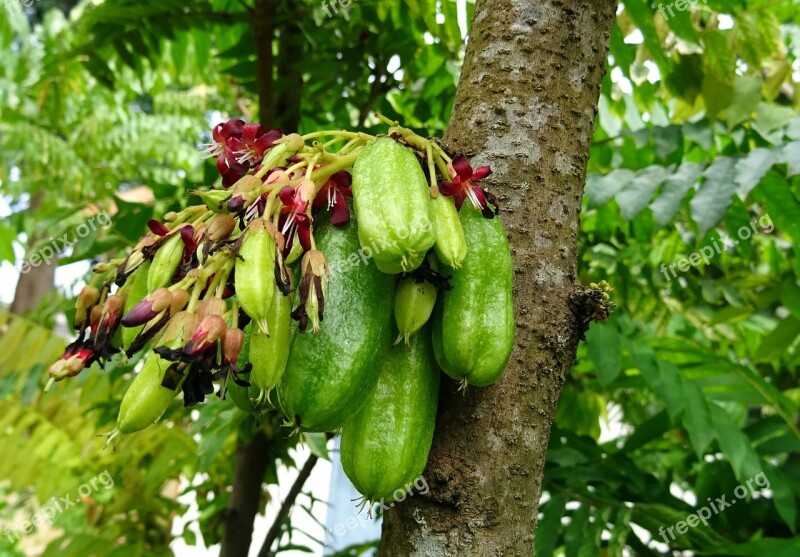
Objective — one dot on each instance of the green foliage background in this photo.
(697, 134)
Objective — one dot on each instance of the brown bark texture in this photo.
(251, 464)
(38, 281)
(525, 105)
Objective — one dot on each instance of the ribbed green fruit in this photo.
(392, 206)
(385, 446)
(329, 374)
(473, 329)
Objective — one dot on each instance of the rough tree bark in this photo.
(525, 105)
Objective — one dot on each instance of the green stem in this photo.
(339, 133)
(321, 175)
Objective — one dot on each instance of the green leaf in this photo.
(735, 445)
(667, 204)
(790, 296)
(770, 117)
(600, 189)
(783, 496)
(318, 444)
(714, 195)
(636, 195)
(603, 344)
(7, 239)
(549, 527)
(751, 169)
(790, 155)
(778, 340)
(697, 418)
(745, 98)
(780, 204)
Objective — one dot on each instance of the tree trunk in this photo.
(38, 281)
(526, 105)
(251, 464)
(32, 286)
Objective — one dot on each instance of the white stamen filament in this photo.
(247, 156)
(208, 150)
(474, 198)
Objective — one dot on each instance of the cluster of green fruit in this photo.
(209, 294)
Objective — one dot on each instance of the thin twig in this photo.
(297, 487)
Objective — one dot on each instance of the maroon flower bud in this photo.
(147, 309)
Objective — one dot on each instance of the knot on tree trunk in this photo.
(590, 304)
(447, 477)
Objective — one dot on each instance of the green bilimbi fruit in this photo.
(451, 245)
(385, 446)
(392, 206)
(414, 301)
(136, 294)
(473, 329)
(254, 278)
(145, 400)
(269, 354)
(165, 262)
(330, 374)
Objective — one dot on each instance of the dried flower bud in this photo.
(179, 300)
(221, 227)
(211, 306)
(232, 344)
(314, 267)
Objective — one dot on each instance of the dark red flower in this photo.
(294, 219)
(463, 185)
(253, 143)
(230, 169)
(157, 228)
(222, 134)
(333, 194)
